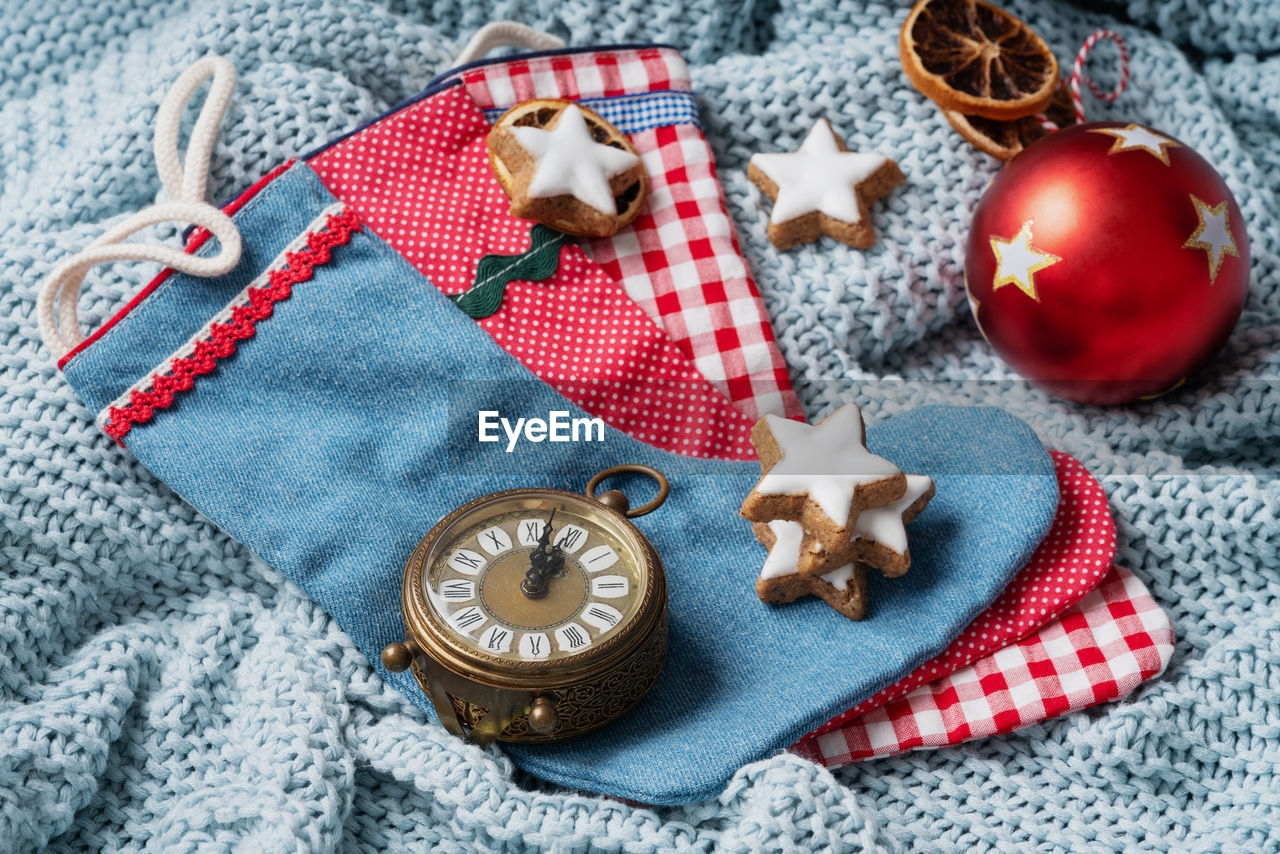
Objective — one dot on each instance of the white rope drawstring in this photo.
(506, 34)
(184, 182)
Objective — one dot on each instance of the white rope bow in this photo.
(184, 182)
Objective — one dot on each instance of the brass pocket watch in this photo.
(535, 615)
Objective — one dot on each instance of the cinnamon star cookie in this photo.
(823, 188)
(843, 588)
(820, 475)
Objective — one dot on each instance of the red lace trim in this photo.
(222, 338)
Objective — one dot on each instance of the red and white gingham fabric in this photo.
(680, 260)
(576, 74)
(1098, 650)
(420, 178)
(1070, 562)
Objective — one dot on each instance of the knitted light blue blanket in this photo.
(162, 689)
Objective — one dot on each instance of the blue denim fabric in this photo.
(149, 334)
(346, 427)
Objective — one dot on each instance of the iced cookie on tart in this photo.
(822, 188)
(563, 165)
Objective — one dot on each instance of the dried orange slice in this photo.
(1006, 139)
(974, 58)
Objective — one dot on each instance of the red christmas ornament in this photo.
(1107, 262)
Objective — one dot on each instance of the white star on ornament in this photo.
(819, 177)
(571, 163)
(1138, 138)
(1018, 262)
(828, 461)
(1213, 235)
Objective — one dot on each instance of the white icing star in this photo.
(828, 461)
(1212, 235)
(785, 552)
(571, 163)
(819, 177)
(1018, 261)
(884, 524)
(1138, 138)
(785, 555)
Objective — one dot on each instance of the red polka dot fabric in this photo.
(420, 179)
(1070, 562)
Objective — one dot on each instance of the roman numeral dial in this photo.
(591, 571)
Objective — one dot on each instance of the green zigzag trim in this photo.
(493, 272)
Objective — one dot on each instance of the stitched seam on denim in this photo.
(218, 338)
(205, 249)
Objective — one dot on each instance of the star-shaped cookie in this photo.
(879, 537)
(563, 165)
(823, 188)
(820, 475)
(843, 588)
(567, 161)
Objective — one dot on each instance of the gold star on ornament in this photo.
(1213, 235)
(1018, 262)
(1138, 138)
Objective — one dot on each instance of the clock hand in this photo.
(539, 555)
(545, 539)
(544, 561)
(555, 561)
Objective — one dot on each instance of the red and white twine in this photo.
(1078, 76)
(1077, 71)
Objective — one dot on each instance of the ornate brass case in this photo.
(485, 697)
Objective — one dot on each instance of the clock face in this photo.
(535, 578)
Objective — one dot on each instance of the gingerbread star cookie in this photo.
(843, 588)
(820, 475)
(823, 188)
(563, 165)
(879, 537)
